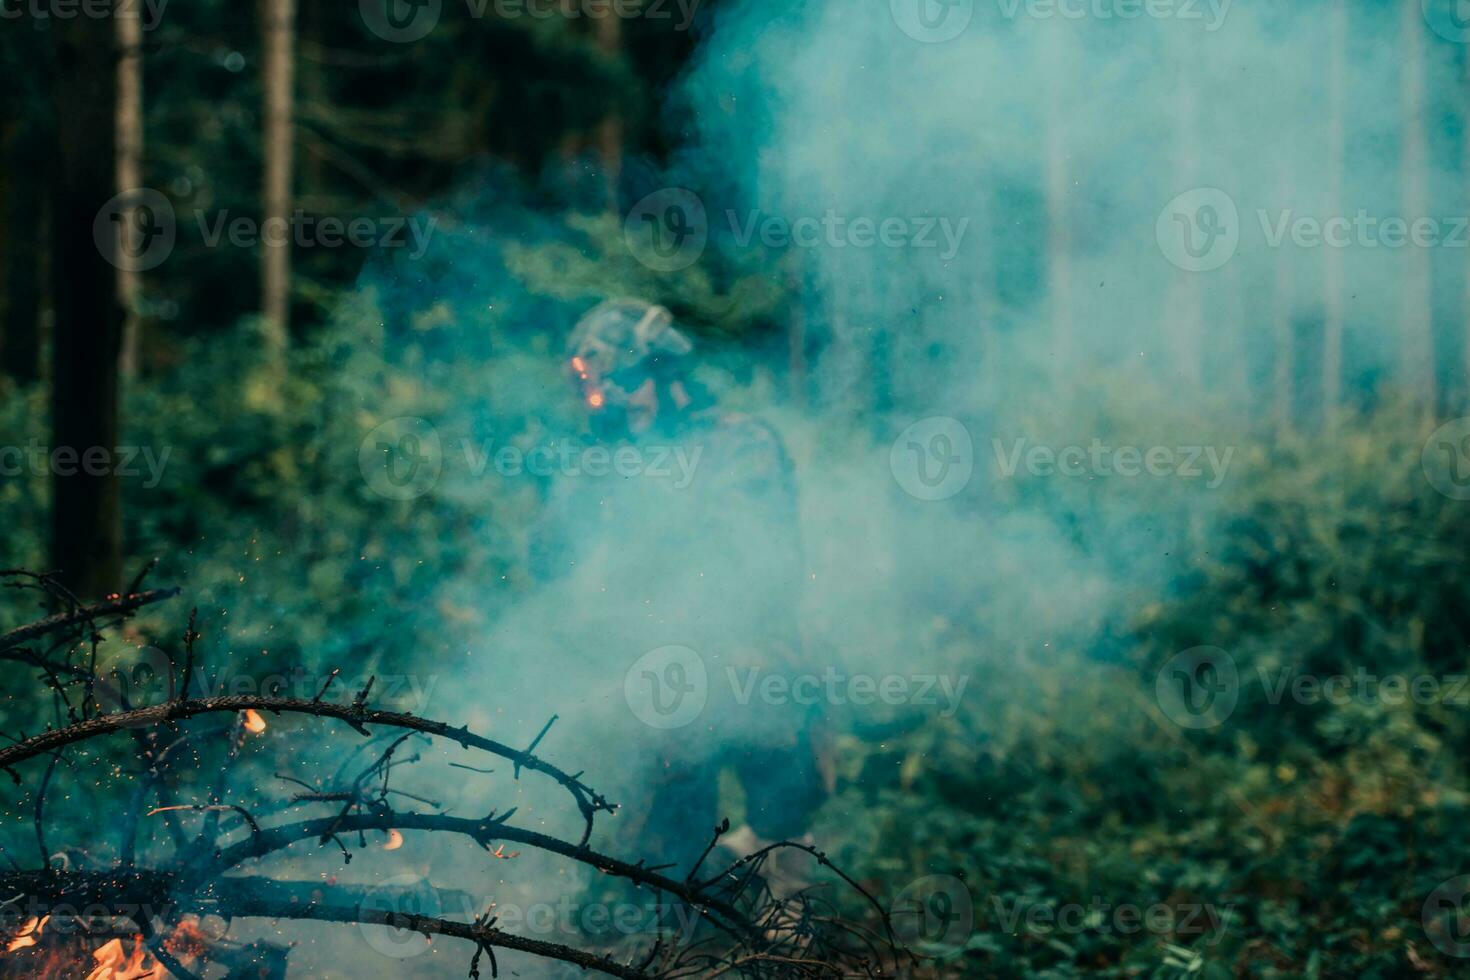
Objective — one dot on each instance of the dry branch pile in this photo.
(120, 917)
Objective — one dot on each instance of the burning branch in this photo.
(744, 930)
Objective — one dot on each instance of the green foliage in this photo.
(1316, 827)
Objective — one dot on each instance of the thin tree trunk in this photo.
(129, 165)
(1332, 286)
(1417, 312)
(20, 261)
(1058, 187)
(1189, 310)
(278, 72)
(86, 511)
(1284, 363)
(1465, 174)
(610, 130)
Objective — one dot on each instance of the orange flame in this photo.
(499, 852)
(114, 962)
(28, 934)
(254, 723)
(595, 399)
(395, 841)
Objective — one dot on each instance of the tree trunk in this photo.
(610, 130)
(86, 512)
(1417, 311)
(1189, 309)
(20, 263)
(129, 164)
(1465, 173)
(1058, 186)
(277, 82)
(1332, 285)
(1284, 363)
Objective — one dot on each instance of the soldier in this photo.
(734, 532)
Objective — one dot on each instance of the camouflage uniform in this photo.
(736, 528)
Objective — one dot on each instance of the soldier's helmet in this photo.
(620, 344)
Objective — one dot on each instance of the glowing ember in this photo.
(580, 366)
(595, 399)
(254, 723)
(27, 935)
(499, 852)
(395, 841)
